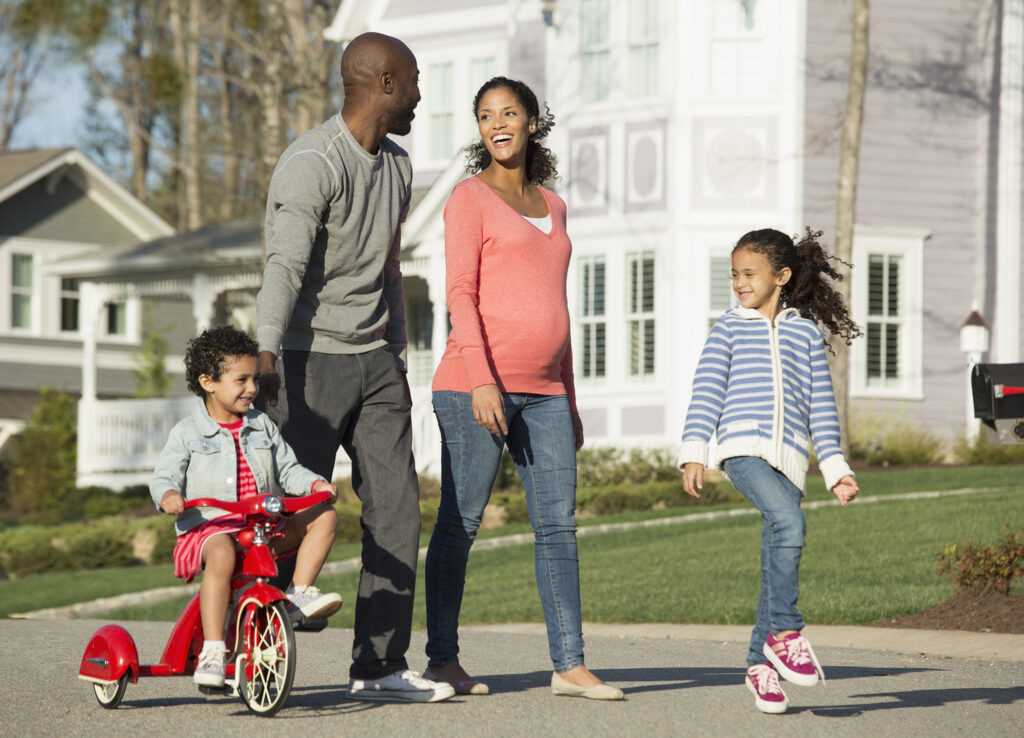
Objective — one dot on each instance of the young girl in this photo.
(763, 386)
(223, 433)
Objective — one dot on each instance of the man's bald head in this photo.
(370, 55)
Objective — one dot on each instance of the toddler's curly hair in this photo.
(208, 353)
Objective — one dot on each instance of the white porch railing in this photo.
(119, 441)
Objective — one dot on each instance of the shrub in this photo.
(974, 568)
(892, 440)
(42, 468)
(603, 467)
(980, 452)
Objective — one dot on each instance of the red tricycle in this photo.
(259, 633)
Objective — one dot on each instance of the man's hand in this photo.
(489, 409)
(693, 478)
(270, 382)
(172, 503)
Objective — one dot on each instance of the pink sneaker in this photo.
(794, 659)
(768, 695)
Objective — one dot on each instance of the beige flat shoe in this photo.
(566, 688)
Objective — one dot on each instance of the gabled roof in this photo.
(21, 169)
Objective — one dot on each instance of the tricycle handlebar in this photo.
(254, 505)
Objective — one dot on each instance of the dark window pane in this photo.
(876, 271)
(894, 286)
(69, 314)
(874, 350)
(599, 350)
(599, 288)
(892, 352)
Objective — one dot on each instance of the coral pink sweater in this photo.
(505, 287)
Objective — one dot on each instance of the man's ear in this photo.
(387, 83)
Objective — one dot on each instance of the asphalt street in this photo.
(678, 680)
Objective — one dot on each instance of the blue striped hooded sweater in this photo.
(763, 388)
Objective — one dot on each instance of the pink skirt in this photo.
(188, 551)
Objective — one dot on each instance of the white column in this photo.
(435, 291)
(1008, 221)
(203, 298)
(90, 314)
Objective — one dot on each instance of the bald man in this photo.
(331, 331)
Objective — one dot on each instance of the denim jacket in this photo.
(198, 460)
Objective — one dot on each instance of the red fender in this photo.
(111, 652)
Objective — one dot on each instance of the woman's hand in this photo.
(172, 503)
(489, 409)
(693, 478)
(577, 430)
(846, 489)
(321, 485)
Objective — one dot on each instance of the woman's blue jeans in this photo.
(782, 542)
(541, 442)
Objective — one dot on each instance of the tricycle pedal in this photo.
(310, 625)
(227, 689)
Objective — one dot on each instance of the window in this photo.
(886, 300)
(882, 330)
(117, 319)
(592, 317)
(21, 290)
(643, 48)
(720, 297)
(595, 51)
(737, 48)
(442, 113)
(69, 302)
(640, 313)
(480, 70)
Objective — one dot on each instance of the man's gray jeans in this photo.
(361, 403)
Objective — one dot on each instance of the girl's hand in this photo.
(846, 489)
(172, 503)
(321, 485)
(577, 430)
(693, 478)
(489, 409)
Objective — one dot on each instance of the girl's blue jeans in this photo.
(782, 542)
(541, 443)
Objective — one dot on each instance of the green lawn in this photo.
(862, 563)
(664, 561)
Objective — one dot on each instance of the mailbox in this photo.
(998, 391)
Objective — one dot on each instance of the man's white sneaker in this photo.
(408, 686)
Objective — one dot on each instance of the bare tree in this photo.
(24, 44)
(849, 160)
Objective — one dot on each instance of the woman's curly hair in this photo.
(810, 288)
(540, 162)
(209, 352)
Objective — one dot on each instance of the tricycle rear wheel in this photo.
(267, 671)
(109, 695)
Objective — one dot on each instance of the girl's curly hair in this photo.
(540, 162)
(810, 289)
(209, 352)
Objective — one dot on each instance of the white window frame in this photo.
(76, 296)
(644, 39)
(638, 319)
(751, 29)
(908, 245)
(590, 322)
(440, 99)
(715, 282)
(595, 60)
(31, 291)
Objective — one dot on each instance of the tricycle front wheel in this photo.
(268, 669)
(109, 695)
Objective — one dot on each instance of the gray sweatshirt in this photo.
(332, 281)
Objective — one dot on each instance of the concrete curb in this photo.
(939, 643)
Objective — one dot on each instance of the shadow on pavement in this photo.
(922, 698)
